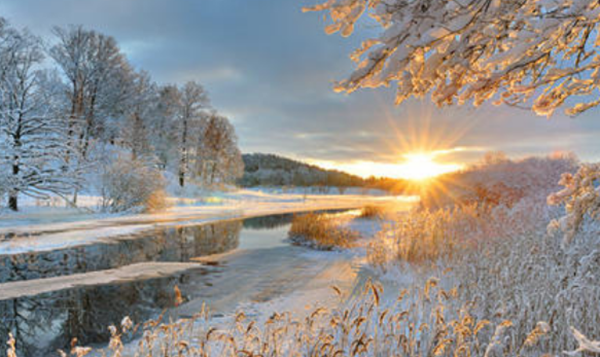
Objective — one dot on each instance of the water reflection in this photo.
(173, 244)
(42, 324)
(269, 222)
(280, 220)
(45, 322)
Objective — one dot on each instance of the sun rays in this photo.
(415, 148)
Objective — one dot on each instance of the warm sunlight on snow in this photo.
(414, 166)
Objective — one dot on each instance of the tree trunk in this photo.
(90, 126)
(72, 122)
(13, 198)
(212, 173)
(183, 161)
(181, 178)
(13, 203)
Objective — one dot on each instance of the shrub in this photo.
(157, 201)
(581, 198)
(132, 185)
(372, 212)
(320, 231)
(499, 182)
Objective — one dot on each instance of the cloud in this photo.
(209, 76)
(270, 68)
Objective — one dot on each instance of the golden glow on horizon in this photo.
(414, 166)
(416, 147)
(421, 166)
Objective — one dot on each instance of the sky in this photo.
(270, 68)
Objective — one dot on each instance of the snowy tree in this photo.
(168, 121)
(531, 53)
(193, 102)
(219, 159)
(58, 123)
(163, 136)
(97, 74)
(141, 110)
(32, 142)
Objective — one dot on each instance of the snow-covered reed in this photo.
(501, 258)
(372, 212)
(422, 321)
(321, 231)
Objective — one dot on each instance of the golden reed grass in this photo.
(372, 212)
(321, 231)
(419, 322)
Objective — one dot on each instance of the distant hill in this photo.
(274, 170)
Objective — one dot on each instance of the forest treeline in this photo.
(274, 170)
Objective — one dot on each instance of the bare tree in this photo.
(219, 158)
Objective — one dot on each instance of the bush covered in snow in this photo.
(500, 181)
(128, 184)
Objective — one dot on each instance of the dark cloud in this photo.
(270, 67)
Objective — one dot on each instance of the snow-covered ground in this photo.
(14, 290)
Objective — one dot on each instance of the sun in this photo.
(414, 166)
(422, 166)
(417, 149)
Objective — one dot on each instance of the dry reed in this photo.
(321, 231)
(428, 321)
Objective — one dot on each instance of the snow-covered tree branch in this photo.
(540, 54)
(581, 198)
